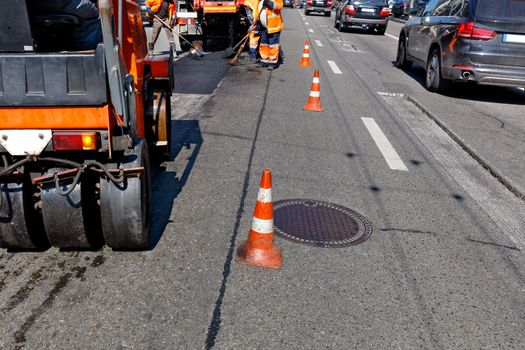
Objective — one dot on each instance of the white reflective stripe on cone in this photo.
(315, 94)
(315, 81)
(307, 46)
(265, 195)
(262, 226)
(305, 55)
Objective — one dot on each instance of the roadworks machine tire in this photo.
(71, 221)
(21, 225)
(126, 207)
(81, 211)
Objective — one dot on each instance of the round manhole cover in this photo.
(320, 223)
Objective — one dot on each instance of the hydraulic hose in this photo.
(81, 167)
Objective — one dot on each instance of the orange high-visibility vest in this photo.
(252, 5)
(154, 5)
(274, 19)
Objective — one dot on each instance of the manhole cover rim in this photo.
(365, 228)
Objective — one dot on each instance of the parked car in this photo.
(415, 6)
(288, 3)
(320, 6)
(400, 8)
(480, 41)
(369, 14)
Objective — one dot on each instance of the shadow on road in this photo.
(168, 183)
(472, 91)
(359, 30)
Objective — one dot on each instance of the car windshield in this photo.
(502, 9)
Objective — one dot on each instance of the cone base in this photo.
(304, 64)
(270, 258)
(313, 107)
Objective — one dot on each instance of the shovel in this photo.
(197, 52)
(230, 52)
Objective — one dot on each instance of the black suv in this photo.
(322, 6)
(368, 14)
(481, 41)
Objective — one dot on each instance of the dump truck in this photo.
(223, 21)
(76, 129)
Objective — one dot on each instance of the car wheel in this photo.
(328, 14)
(381, 30)
(306, 13)
(401, 57)
(433, 80)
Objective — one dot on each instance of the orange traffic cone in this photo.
(305, 61)
(259, 249)
(314, 101)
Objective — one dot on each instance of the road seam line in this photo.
(505, 210)
(385, 147)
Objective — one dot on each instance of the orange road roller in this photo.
(77, 126)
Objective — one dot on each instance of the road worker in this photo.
(271, 28)
(87, 34)
(252, 11)
(165, 10)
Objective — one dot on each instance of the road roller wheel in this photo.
(126, 207)
(72, 221)
(21, 225)
(158, 112)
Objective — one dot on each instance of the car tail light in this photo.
(329, 3)
(310, 2)
(76, 141)
(385, 12)
(469, 31)
(350, 10)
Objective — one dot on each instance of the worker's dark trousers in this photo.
(157, 26)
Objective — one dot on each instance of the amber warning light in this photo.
(76, 141)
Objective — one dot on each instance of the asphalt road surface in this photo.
(438, 176)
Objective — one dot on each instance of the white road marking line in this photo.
(391, 94)
(392, 36)
(307, 23)
(311, 30)
(319, 43)
(334, 67)
(385, 147)
(503, 207)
